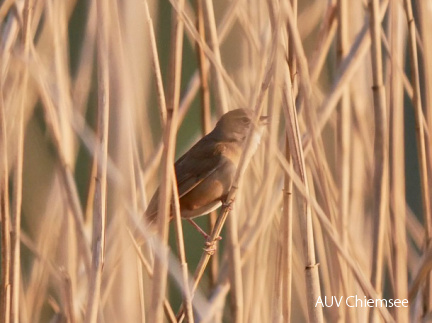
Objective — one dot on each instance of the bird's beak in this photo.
(264, 120)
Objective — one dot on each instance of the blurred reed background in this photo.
(95, 96)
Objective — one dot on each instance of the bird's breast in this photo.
(232, 152)
(212, 188)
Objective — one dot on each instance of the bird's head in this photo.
(234, 125)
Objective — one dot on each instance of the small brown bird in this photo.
(206, 172)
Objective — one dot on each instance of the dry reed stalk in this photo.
(56, 272)
(6, 292)
(287, 216)
(418, 108)
(205, 257)
(205, 92)
(56, 22)
(234, 252)
(344, 121)
(249, 241)
(406, 83)
(398, 209)
(329, 265)
(141, 294)
(156, 68)
(82, 82)
(426, 40)
(238, 96)
(100, 195)
(326, 188)
(263, 241)
(311, 267)
(5, 298)
(277, 315)
(5, 7)
(325, 36)
(380, 181)
(9, 38)
(293, 133)
(348, 67)
(254, 227)
(18, 178)
(236, 277)
(333, 236)
(143, 261)
(292, 59)
(421, 274)
(236, 280)
(421, 144)
(68, 296)
(187, 299)
(165, 193)
(205, 113)
(415, 229)
(285, 246)
(220, 93)
(55, 19)
(66, 176)
(193, 84)
(41, 275)
(287, 233)
(201, 305)
(250, 235)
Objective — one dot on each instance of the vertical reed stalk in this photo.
(308, 66)
(156, 67)
(343, 145)
(425, 23)
(398, 207)
(421, 145)
(165, 195)
(18, 187)
(344, 121)
(100, 195)
(187, 299)
(311, 267)
(313, 289)
(205, 114)
(5, 295)
(220, 93)
(287, 233)
(380, 182)
(347, 70)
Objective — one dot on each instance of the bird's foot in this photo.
(228, 205)
(211, 246)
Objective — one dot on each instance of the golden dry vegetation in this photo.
(98, 97)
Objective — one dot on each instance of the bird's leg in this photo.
(204, 234)
(210, 245)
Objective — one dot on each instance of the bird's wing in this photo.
(197, 164)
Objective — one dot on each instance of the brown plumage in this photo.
(206, 171)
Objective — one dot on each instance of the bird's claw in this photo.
(228, 205)
(211, 246)
(210, 250)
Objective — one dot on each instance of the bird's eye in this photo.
(245, 120)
